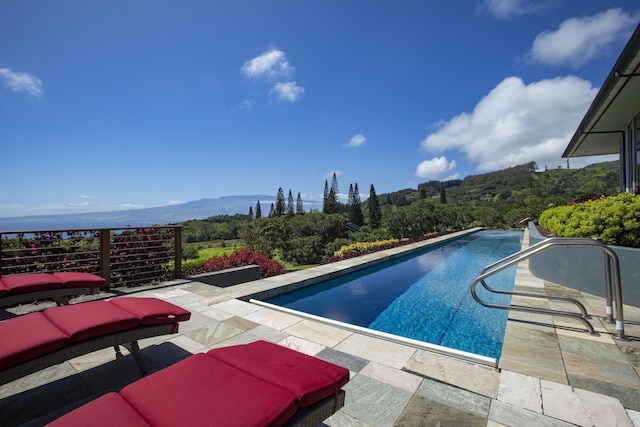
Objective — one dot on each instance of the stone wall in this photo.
(229, 277)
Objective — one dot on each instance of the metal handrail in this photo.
(611, 266)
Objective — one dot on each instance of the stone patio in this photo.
(551, 373)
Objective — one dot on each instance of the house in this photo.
(612, 123)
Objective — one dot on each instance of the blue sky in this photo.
(126, 104)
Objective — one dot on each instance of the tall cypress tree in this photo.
(250, 213)
(272, 211)
(290, 204)
(375, 214)
(325, 198)
(299, 207)
(332, 198)
(258, 210)
(356, 207)
(443, 195)
(280, 206)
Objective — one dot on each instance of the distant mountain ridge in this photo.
(198, 209)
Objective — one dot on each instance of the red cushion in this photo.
(72, 279)
(152, 311)
(106, 411)
(3, 288)
(26, 337)
(202, 391)
(90, 319)
(310, 379)
(30, 282)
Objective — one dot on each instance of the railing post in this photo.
(1, 253)
(105, 255)
(177, 252)
(607, 274)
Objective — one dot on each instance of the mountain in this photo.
(198, 209)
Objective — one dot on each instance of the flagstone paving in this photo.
(551, 373)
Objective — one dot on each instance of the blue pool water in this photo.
(424, 296)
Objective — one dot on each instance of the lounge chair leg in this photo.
(62, 300)
(134, 348)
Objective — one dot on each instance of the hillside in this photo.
(516, 184)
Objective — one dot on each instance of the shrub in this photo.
(246, 256)
(613, 219)
(388, 244)
(365, 247)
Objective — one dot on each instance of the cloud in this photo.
(435, 167)
(84, 196)
(287, 91)
(507, 9)
(356, 140)
(247, 104)
(517, 123)
(579, 40)
(21, 82)
(272, 64)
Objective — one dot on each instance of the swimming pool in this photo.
(424, 296)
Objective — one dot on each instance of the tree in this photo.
(299, 207)
(272, 211)
(325, 198)
(279, 210)
(250, 213)
(356, 207)
(443, 195)
(331, 200)
(375, 213)
(258, 210)
(290, 204)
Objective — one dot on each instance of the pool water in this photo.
(424, 296)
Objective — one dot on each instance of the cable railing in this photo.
(612, 283)
(125, 256)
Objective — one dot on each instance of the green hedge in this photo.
(615, 220)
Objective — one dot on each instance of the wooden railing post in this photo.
(105, 255)
(1, 253)
(177, 245)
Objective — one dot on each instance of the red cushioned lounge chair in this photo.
(19, 288)
(35, 341)
(258, 384)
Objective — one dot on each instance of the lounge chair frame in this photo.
(128, 339)
(60, 296)
(314, 415)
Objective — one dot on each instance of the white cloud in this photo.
(579, 40)
(506, 9)
(21, 82)
(272, 64)
(356, 140)
(435, 167)
(247, 104)
(84, 196)
(517, 123)
(288, 91)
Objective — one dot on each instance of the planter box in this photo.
(229, 277)
(583, 268)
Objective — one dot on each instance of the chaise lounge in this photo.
(19, 288)
(257, 384)
(35, 341)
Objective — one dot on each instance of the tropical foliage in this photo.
(614, 219)
(243, 257)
